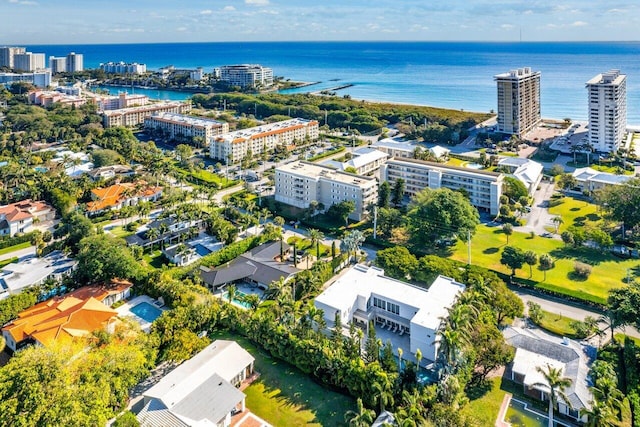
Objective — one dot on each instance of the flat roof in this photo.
(16, 276)
(313, 170)
(431, 304)
(182, 118)
(611, 77)
(265, 129)
(444, 166)
(149, 107)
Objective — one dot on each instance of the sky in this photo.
(147, 21)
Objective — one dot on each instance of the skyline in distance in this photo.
(67, 22)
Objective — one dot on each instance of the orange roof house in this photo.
(74, 315)
(18, 217)
(122, 194)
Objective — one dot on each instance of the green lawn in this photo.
(557, 324)
(484, 402)
(154, 259)
(611, 169)
(120, 231)
(209, 177)
(13, 248)
(576, 212)
(608, 271)
(284, 396)
(8, 261)
(456, 162)
(305, 244)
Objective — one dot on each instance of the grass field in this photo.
(576, 212)
(13, 248)
(284, 396)
(209, 177)
(8, 261)
(119, 231)
(608, 271)
(154, 259)
(557, 324)
(305, 244)
(484, 403)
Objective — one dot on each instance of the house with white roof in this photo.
(438, 152)
(365, 161)
(524, 170)
(31, 271)
(396, 147)
(590, 180)
(365, 294)
(202, 391)
(536, 349)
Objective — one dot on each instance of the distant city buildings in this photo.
(135, 115)
(7, 54)
(122, 100)
(195, 74)
(40, 78)
(518, 101)
(484, 188)
(299, 183)
(46, 98)
(58, 64)
(182, 127)
(28, 61)
(234, 146)
(245, 75)
(607, 110)
(71, 63)
(123, 68)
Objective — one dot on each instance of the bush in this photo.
(581, 269)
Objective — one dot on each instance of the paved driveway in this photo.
(539, 217)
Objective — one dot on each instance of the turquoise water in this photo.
(164, 95)
(146, 311)
(237, 299)
(446, 74)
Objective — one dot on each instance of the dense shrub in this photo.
(581, 269)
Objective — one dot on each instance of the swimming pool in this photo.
(201, 250)
(146, 311)
(518, 415)
(238, 299)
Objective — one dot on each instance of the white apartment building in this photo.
(299, 183)
(123, 100)
(364, 294)
(245, 75)
(233, 146)
(74, 62)
(123, 68)
(607, 110)
(484, 188)
(7, 54)
(40, 78)
(179, 126)
(396, 147)
(365, 161)
(58, 64)
(518, 101)
(28, 61)
(135, 115)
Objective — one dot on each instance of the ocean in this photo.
(442, 74)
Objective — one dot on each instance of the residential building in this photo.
(528, 172)
(46, 98)
(19, 217)
(299, 183)
(40, 78)
(122, 100)
(134, 116)
(483, 187)
(28, 61)
(535, 349)
(170, 229)
(120, 195)
(589, 180)
(245, 75)
(397, 147)
(74, 62)
(607, 110)
(67, 317)
(261, 266)
(234, 146)
(364, 294)
(108, 172)
(518, 101)
(181, 127)
(365, 161)
(195, 74)
(203, 391)
(31, 271)
(439, 153)
(58, 64)
(123, 68)
(7, 54)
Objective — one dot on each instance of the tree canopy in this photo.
(442, 213)
(102, 258)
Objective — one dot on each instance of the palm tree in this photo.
(507, 229)
(383, 391)
(315, 236)
(557, 221)
(362, 417)
(556, 384)
(276, 288)
(253, 300)
(232, 291)
(152, 234)
(599, 415)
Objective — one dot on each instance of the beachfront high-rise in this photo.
(518, 101)
(28, 61)
(245, 75)
(7, 53)
(607, 110)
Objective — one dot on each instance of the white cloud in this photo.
(24, 2)
(228, 8)
(206, 12)
(181, 29)
(579, 24)
(507, 26)
(257, 2)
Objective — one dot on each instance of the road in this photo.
(539, 217)
(557, 306)
(21, 253)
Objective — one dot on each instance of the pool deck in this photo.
(500, 422)
(245, 288)
(124, 310)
